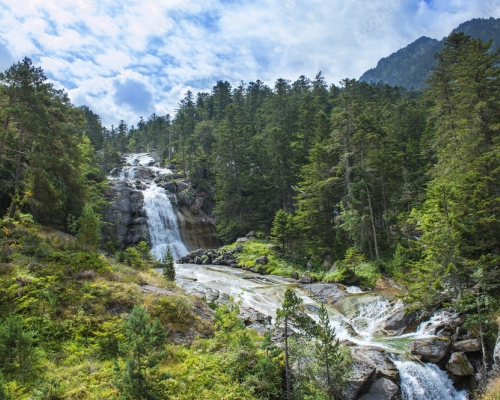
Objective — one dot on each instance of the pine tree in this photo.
(290, 316)
(143, 249)
(168, 266)
(144, 348)
(89, 227)
(280, 229)
(330, 355)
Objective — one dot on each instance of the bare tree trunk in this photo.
(18, 175)
(373, 224)
(287, 363)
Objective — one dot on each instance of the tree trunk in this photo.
(373, 224)
(385, 214)
(5, 127)
(18, 175)
(287, 364)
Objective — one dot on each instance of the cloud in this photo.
(127, 58)
(134, 94)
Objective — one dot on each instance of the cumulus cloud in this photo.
(127, 58)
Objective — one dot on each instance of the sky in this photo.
(129, 58)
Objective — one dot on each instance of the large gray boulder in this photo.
(467, 346)
(433, 349)
(459, 365)
(369, 365)
(327, 292)
(400, 322)
(383, 389)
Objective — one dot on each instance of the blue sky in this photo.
(127, 59)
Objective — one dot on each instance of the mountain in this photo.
(410, 66)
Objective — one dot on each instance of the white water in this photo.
(426, 382)
(162, 222)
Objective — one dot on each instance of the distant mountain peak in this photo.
(409, 66)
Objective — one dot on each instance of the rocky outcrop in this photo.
(124, 216)
(467, 346)
(369, 365)
(383, 389)
(459, 365)
(328, 293)
(433, 349)
(400, 322)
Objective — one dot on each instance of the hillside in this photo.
(408, 67)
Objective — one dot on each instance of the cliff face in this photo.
(410, 66)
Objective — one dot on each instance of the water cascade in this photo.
(426, 382)
(357, 316)
(162, 221)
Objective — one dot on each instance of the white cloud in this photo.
(175, 45)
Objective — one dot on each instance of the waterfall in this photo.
(162, 222)
(426, 382)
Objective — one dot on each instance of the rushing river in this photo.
(358, 319)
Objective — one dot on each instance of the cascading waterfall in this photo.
(426, 382)
(162, 221)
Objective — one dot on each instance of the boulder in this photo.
(238, 248)
(263, 260)
(170, 186)
(207, 261)
(359, 379)
(379, 360)
(328, 293)
(185, 199)
(198, 260)
(295, 275)
(241, 240)
(399, 323)
(383, 389)
(306, 278)
(459, 365)
(467, 346)
(433, 349)
(250, 235)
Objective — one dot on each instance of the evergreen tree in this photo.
(289, 316)
(144, 348)
(168, 266)
(89, 226)
(330, 355)
(143, 249)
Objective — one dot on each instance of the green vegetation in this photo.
(168, 266)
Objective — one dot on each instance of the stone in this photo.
(373, 357)
(241, 240)
(238, 248)
(263, 260)
(359, 379)
(250, 235)
(399, 323)
(328, 293)
(185, 260)
(459, 365)
(432, 350)
(385, 389)
(305, 278)
(185, 199)
(467, 346)
(295, 275)
(235, 266)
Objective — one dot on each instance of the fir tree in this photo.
(89, 229)
(168, 266)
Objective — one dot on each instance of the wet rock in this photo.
(399, 323)
(185, 260)
(432, 350)
(306, 278)
(377, 359)
(383, 389)
(295, 275)
(235, 266)
(198, 260)
(467, 346)
(241, 240)
(170, 186)
(263, 260)
(459, 365)
(207, 261)
(359, 379)
(326, 292)
(350, 305)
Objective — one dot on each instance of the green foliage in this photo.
(168, 266)
(133, 258)
(143, 347)
(4, 394)
(332, 358)
(143, 249)
(16, 345)
(88, 235)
